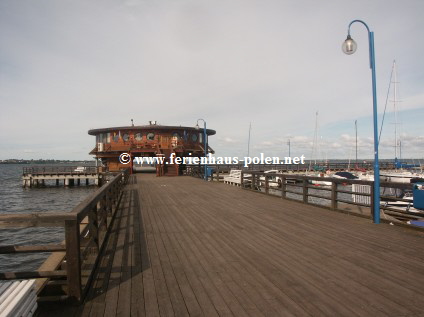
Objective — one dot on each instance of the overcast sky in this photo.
(70, 66)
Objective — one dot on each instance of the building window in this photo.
(194, 137)
(126, 137)
(115, 137)
(176, 135)
(150, 136)
(108, 137)
(138, 136)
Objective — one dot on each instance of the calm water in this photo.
(16, 199)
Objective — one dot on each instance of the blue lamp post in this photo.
(349, 47)
(205, 144)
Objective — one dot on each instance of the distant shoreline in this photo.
(23, 162)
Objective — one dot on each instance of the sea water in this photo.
(15, 199)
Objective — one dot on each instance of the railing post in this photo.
(283, 187)
(305, 190)
(252, 183)
(73, 260)
(266, 184)
(242, 179)
(94, 227)
(333, 195)
(372, 201)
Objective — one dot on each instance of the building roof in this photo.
(149, 127)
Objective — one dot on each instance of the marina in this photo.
(149, 245)
(308, 202)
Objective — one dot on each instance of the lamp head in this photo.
(349, 46)
(197, 126)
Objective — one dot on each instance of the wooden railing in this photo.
(72, 262)
(223, 169)
(299, 188)
(60, 170)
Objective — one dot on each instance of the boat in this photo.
(399, 176)
(403, 172)
(273, 180)
(323, 181)
(345, 175)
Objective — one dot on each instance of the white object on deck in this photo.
(360, 199)
(17, 298)
(234, 178)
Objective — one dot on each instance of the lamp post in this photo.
(349, 47)
(205, 144)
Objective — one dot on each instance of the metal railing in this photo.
(86, 228)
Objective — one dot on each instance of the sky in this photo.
(277, 66)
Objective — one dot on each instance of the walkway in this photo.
(182, 246)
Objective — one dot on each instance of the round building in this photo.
(136, 147)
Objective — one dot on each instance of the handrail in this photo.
(60, 170)
(254, 180)
(197, 170)
(86, 228)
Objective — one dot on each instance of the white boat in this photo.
(273, 181)
(399, 176)
(320, 182)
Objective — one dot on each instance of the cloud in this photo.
(68, 67)
(228, 140)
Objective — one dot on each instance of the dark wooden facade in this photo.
(151, 140)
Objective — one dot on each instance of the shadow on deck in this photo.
(182, 246)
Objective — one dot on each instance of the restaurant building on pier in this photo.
(152, 140)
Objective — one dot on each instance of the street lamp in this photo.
(205, 144)
(349, 47)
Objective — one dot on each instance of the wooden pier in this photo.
(182, 246)
(67, 175)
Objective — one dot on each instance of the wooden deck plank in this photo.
(112, 293)
(210, 282)
(173, 287)
(124, 299)
(209, 311)
(309, 252)
(151, 303)
(190, 300)
(246, 253)
(162, 294)
(216, 265)
(238, 243)
(184, 246)
(231, 294)
(139, 261)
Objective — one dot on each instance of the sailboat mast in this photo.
(316, 137)
(314, 143)
(248, 141)
(288, 143)
(394, 105)
(356, 142)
